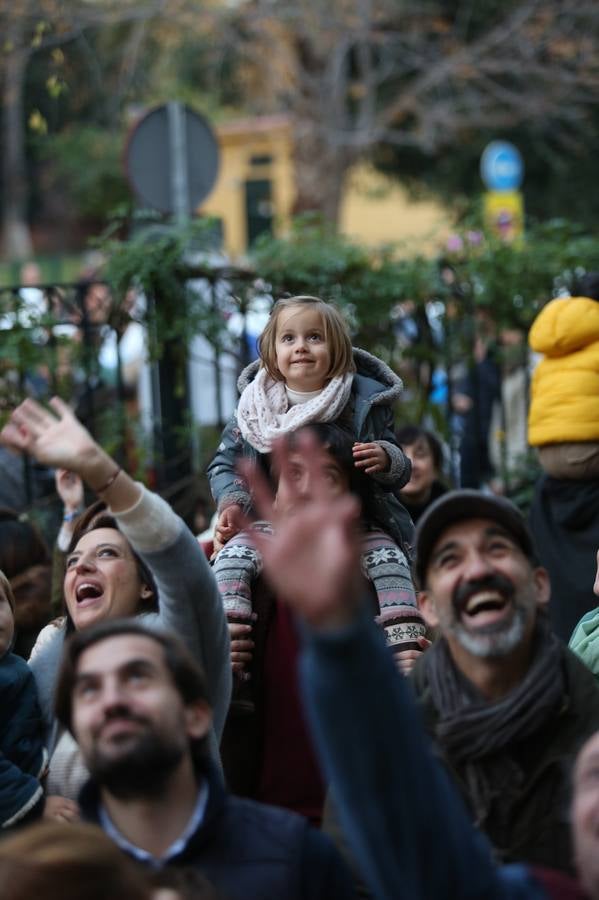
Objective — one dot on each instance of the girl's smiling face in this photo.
(303, 356)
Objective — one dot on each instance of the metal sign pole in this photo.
(177, 139)
(172, 164)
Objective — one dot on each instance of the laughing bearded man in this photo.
(506, 702)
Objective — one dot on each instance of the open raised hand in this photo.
(59, 440)
(312, 559)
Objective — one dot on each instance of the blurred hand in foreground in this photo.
(312, 560)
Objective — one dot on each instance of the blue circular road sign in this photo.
(501, 166)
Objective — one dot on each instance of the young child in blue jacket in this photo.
(23, 757)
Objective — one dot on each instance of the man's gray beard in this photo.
(494, 640)
(141, 771)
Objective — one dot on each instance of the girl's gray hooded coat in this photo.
(369, 414)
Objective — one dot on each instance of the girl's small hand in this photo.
(242, 645)
(228, 524)
(69, 488)
(370, 457)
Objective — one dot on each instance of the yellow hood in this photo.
(565, 385)
(565, 325)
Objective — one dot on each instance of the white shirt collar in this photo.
(175, 848)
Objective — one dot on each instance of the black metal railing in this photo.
(68, 339)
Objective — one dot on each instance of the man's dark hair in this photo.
(21, 543)
(588, 286)
(186, 673)
(406, 435)
(97, 516)
(339, 442)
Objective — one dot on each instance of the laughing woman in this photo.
(130, 555)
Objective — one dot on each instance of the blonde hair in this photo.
(7, 590)
(336, 335)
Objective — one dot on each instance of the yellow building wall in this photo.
(375, 209)
(239, 142)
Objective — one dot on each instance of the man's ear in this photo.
(426, 605)
(542, 585)
(198, 718)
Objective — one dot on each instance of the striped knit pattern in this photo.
(238, 565)
(235, 568)
(386, 566)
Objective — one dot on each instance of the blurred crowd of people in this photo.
(356, 681)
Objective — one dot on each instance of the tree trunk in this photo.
(320, 172)
(16, 238)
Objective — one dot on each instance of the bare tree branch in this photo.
(354, 73)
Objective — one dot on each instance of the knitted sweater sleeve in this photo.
(400, 467)
(44, 662)
(188, 597)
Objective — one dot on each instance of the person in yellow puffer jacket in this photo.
(563, 420)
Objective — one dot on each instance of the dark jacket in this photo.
(417, 509)
(250, 851)
(242, 742)
(22, 753)
(406, 825)
(368, 414)
(266, 749)
(530, 823)
(483, 385)
(564, 518)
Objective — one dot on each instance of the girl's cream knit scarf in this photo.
(263, 413)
